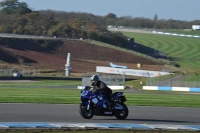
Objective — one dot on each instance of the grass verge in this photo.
(181, 50)
(53, 94)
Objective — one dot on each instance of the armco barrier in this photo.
(32, 125)
(174, 34)
(168, 88)
(111, 87)
(38, 78)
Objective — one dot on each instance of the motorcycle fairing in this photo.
(116, 95)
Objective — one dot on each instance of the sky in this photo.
(186, 10)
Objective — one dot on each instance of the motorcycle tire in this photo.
(87, 114)
(121, 114)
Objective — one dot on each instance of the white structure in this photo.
(117, 66)
(67, 66)
(132, 72)
(17, 74)
(195, 27)
(111, 87)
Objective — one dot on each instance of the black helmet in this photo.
(94, 79)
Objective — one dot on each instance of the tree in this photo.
(155, 19)
(92, 35)
(13, 6)
(23, 8)
(111, 15)
(8, 6)
(60, 30)
(75, 23)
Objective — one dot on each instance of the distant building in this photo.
(195, 27)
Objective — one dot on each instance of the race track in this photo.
(69, 114)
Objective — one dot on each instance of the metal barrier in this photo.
(6, 72)
(112, 79)
(20, 72)
(175, 80)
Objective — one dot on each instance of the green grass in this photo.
(56, 95)
(181, 50)
(155, 98)
(71, 96)
(42, 83)
(39, 95)
(136, 83)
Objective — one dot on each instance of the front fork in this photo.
(88, 106)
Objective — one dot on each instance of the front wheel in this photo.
(121, 113)
(87, 114)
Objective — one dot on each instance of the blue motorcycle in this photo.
(91, 102)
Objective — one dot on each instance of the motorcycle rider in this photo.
(98, 85)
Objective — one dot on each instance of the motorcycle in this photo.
(91, 101)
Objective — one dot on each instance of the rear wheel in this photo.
(121, 113)
(87, 114)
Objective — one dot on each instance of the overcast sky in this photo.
(165, 9)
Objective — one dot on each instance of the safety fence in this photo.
(114, 27)
(109, 79)
(174, 34)
(175, 80)
(20, 72)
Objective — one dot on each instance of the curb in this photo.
(174, 34)
(169, 88)
(37, 125)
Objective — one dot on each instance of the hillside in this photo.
(51, 55)
(183, 51)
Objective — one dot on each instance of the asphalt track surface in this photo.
(68, 113)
